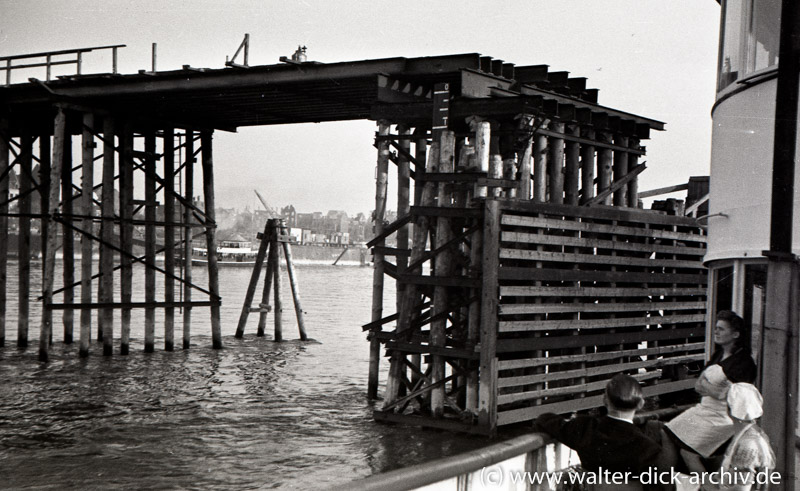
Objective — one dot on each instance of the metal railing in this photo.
(7, 62)
(470, 470)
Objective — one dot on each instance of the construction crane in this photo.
(272, 213)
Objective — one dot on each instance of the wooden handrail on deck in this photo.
(8, 65)
(427, 473)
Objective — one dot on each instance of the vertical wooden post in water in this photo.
(483, 132)
(211, 237)
(24, 239)
(126, 234)
(633, 186)
(540, 167)
(524, 159)
(60, 134)
(555, 161)
(572, 167)
(188, 194)
(298, 309)
(4, 180)
(604, 166)
(254, 277)
(268, 279)
(403, 207)
(487, 405)
(107, 235)
(381, 184)
(276, 267)
(87, 206)
(444, 266)
(169, 238)
(68, 238)
(620, 170)
(42, 183)
(587, 168)
(150, 240)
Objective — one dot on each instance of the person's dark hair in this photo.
(737, 324)
(624, 392)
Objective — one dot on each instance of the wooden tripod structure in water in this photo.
(273, 240)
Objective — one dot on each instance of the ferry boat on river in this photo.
(233, 252)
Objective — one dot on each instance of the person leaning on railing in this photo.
(611, 442)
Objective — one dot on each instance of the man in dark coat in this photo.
(607, 443)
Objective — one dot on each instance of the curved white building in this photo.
(741, 160)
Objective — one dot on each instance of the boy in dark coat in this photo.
(611, 442)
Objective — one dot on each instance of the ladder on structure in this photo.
(275, 233)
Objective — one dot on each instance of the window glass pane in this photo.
(723, 289)
(750, 38)
(765, 34)
(755, 301)
(733, 18)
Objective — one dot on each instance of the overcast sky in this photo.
(654, 58)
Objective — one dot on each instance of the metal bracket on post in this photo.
(246, 45)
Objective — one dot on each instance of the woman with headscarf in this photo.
(749, 452)
(702, 429)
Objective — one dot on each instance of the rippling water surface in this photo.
(255, 415)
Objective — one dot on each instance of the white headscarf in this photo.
(745, 402)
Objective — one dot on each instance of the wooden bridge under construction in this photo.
(527, 273)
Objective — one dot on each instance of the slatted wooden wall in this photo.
(588, 292)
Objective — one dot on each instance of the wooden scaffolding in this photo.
(526, 273)
(83, 207)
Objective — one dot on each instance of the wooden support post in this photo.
(403, 206)
(508, 154)
(524, 190)
(268, 279)
(381, 184)
(106, 287)
(420, 153)
(496, 172)
(254, 277)
(42, 179)
(24, 239)
(604, 166)
(620, 170)
(411, 300)
(444, 267)
(633, 185)
(587, 168)
(126, 234)
(60, 134)
(555, 162)
(487, 405)
(298, 309)
(188, 218)
(474, 322)
(483, 132)
(150, 241)
(4, 181)
(540, 167)
(87, 209)
(68, 239)
(169, 237)
(211, 240)
(276, 285)
(572, 167)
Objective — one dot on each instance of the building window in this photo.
(749, 39)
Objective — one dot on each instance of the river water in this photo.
(254, 415)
